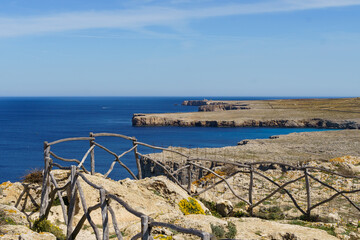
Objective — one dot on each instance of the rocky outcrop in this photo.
(153, 120)
(195, 102)
(16, 232)
(340, 113)
(222, 107)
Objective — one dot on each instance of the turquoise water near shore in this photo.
(26, 122)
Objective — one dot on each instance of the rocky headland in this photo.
(337, 113)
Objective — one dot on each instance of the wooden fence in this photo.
(188, 169)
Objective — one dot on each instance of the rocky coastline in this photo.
(292, 113)
(148, 120)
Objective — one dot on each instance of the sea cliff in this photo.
(341, 113)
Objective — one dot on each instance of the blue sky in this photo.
(180, 48)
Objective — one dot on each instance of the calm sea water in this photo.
(25, 123)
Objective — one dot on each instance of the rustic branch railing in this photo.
(190, 163)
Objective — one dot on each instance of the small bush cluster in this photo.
(271, 213)
(190, 206)
(33, 176)
(219, 231)
(43, 225)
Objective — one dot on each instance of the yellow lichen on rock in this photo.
(346, 159)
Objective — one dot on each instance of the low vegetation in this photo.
(33, 176)
(190, 206)
(43, 225)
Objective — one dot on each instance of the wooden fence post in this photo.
(251, 184)
(92, 155)
(137, 160)
(46, 180)
(145, 228)
(206, 236)
(72, 202)
(104, 214)
(189, 177)
(308, 196)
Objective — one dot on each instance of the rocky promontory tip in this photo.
(337, 113)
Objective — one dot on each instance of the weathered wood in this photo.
(332, 172)
(71, 139)
(179, 229)
(82, 220)
(179, 170)
(137, 236)
(113, 135)
(86, 213)
(275, 191)
(165, 169)
(137, 160)
(71, 211)
(227, 183)
(88, 182)
(331, 187)
(46, 180)
(117, 159)
(217, 183)
(104, 214)
(64, 159)
(125, 205)
(189, 176)
(308, 194)
(334, 196)
(92, 155)
(251, 184)
(60, 167)
(85, 156)
(161, 148)
(60, 198)
(116, 228)
(219, 161)
(145, 228)
(287, 192)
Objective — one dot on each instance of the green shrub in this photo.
(218, 231)
(231, 230)
(43, 225)
(271, 213)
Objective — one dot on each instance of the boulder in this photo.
(224, 207)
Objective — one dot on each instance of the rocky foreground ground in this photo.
(340, 113)
(157, 197)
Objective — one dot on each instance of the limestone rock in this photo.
(14, 214)
(224, 207)
(21, 195)
(16, 232)
(334, 217)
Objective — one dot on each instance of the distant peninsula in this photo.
(332, 113)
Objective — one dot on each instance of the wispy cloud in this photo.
(134, 19)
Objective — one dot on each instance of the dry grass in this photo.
(33, 176)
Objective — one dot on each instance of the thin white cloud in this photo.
(151, 16)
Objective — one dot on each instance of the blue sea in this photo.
(26, 122)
